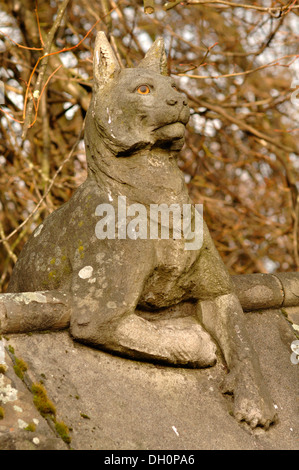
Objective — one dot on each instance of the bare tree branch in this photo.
(43, 67)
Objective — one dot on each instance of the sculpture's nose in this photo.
(171, 101)
(174, 101)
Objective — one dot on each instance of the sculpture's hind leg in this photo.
(223, 317)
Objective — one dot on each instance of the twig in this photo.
(7, 247)
(282, 9)
(20, 45)
(46, 148)
(44, 63)
(240, 123)
(38, 25)
(65, 49)
(149, 6)
(169, 5)
(3, 240)
(39, 97)
(246, 72)
(105, 5)
(37, 92)
(296, 231)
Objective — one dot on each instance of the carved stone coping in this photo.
(262, 291)
(27, 311)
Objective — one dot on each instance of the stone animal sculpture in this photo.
(146, 299)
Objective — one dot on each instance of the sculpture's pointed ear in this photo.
(155, 58)
(105, 63)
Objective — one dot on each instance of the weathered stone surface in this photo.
(259, 291)
(19, 412)
(112, 403)
(27, 311)
(290, 286)
(292, 314)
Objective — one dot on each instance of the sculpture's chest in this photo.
(173, 274)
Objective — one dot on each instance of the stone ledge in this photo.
(260, 291)
(23, 312)
(113, 403)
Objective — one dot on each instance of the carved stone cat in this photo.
(148, 299)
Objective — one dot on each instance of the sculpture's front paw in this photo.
(252, 402)
(167, 342)
(193, 346)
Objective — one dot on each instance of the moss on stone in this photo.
(42, 402)
(81, 248)
(31, 427)
(47, 409)
(66, 269)
(20, 367)
(63, 431)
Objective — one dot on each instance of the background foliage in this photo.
(238, 65)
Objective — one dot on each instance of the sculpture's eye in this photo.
(175, 88)
(143, 90)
